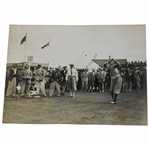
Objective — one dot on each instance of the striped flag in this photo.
(46, 45)
(23, 40)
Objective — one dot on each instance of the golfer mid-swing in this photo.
(116, 80)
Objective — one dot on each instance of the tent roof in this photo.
(100, 62)
(82, 62)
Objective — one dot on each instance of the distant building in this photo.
(20, 65)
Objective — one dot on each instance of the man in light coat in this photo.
(72, 79)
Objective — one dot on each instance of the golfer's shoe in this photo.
(73, 97)
(70, 96)
(112, 102)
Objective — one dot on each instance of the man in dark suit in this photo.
(55, 86)
(63, 73)
(11, 90)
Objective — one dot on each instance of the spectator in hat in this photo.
(7, 80)
(101, 78)
(137, 79)
(25, 83)
(40, 80)
(72, 79)
(107, 78)
(129, 80)
(84, 78)
(55, 86)
(11, 90)
(92, 80)
(96, 81)
(123, 76)
(63, 73)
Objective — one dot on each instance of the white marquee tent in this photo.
(83, 62)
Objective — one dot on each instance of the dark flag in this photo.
(46, 45)
(23, 40)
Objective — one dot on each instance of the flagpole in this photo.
(25, 48)
(48, 53)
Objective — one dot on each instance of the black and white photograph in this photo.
(76, 74)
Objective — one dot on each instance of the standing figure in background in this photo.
(79, 80)
(55, 85)
(63, 73)
(11, 90)
(123, 76)
(91, 81)
(129, 80)
(96, 81)
(84, 78)
(40, 80)
(101, 79)
(137, 79)
(25, 83)
(7, 79)
(107, 79)
(72, 79)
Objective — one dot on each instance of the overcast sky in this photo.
(68, 42)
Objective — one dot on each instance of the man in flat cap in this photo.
(85, 78)
(40, 80)
(25, 83)
(72, 79)
(55, 86)
(101, 78)
(137, 78)
(63, 73)
(11, 90)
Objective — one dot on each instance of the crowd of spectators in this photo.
(21, 82)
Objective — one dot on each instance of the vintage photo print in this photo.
(76, 74)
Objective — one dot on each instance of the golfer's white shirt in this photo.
(72, 72)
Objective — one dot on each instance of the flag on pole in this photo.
(46, 45)
(23, 40)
